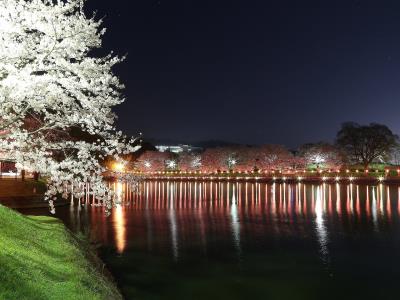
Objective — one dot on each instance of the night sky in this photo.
(254, 72)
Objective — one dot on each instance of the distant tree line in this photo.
(355, 145)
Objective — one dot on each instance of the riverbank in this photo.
(41, 259)
(378, 174)
(278, 178)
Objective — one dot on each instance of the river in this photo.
(219, 240)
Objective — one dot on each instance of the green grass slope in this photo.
(41, 259)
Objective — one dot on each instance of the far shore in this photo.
(346, 176)
(281, 179)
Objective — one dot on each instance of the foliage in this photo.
(394, 155)
(366, 143)
(189, 161)
(49, 85)
(245, 158)
(152, 161)
(273, 157)
(220, 158)
(321, 155)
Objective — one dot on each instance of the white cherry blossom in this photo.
(51, 84)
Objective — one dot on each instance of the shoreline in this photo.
(277, 179)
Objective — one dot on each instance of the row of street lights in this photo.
(120, 167)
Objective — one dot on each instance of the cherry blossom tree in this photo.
(321, 155)
(189, 161)
(214, 159)
(153, 161)
(297, 162)
(49, 78)
(269, 157)
(244, 158)
(221, 159)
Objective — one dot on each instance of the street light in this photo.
(118, 167)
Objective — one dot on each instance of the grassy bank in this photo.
(41, 259)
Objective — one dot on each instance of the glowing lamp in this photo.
(119, 167)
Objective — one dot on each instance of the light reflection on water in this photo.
(119, 218)
(321, 230)
(182, 204)
(327, 234)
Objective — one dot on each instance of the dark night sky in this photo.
(254, 72)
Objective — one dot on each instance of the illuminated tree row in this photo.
(242, 158)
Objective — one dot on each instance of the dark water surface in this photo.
(180, 240)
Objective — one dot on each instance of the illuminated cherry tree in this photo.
(321, 155)
(220, 159)
(189, 161)
(274, 157)
(50, 85)
(213, 159)
(265, 157)
(153, 161)
(242, 158)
